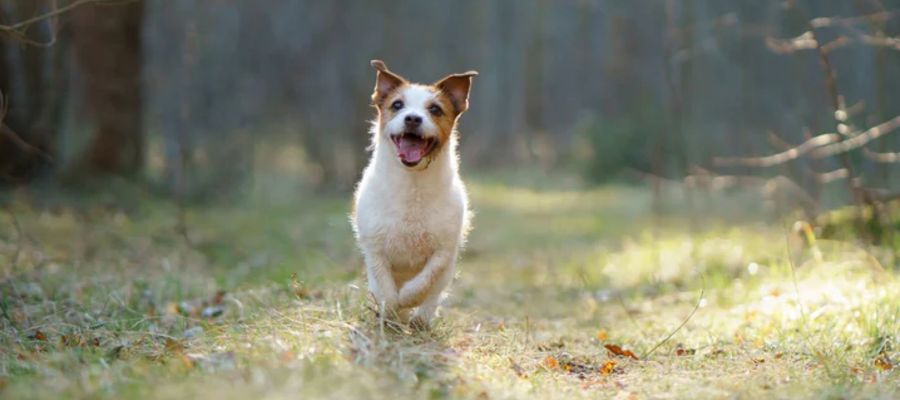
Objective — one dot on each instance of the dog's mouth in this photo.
(413, 147)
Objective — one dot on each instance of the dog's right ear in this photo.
(385, 82)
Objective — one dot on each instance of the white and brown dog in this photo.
(411, 211)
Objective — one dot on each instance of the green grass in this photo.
(101, 303)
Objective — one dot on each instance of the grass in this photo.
(268, 300)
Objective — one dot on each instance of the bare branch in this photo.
(859, 140)
(887, 158)
(831, 176)
(783, 157)
(6, 131)
(17, 27)
(882, 41)
(824, 22)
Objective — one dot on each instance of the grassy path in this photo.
(269, 302)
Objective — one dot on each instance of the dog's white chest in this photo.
(407, 224)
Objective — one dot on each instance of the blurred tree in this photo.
(107, 44)
(32, 72)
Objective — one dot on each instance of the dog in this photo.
(411, 211)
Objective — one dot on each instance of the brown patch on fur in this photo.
(456, 88)
(386, 83)
(447, 120)
(452, 95)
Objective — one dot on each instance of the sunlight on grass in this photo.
(271, 302)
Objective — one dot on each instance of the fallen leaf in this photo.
(618, 351)
(602, 336)
(298, 288)
(681, 351)
(551, 362)
(884, 363)
(608, 367)
(186, 361)
(174, 346)
(38, 335)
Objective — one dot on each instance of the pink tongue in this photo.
(411, 148)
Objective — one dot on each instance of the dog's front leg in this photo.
(381, 284)
(414, 291)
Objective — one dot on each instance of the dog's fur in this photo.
(411, 210)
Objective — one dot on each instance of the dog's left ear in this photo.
(456, 87)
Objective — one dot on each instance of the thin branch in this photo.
(782, 157)
(886, 158)
(683, 323)
(859, 140)
(19, 26)
(824, 22)
(15, 138)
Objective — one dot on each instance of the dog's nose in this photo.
(413, 121)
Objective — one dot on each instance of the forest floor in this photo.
(268, 300)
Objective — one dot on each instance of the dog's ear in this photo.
(385, 82)
(456, 87)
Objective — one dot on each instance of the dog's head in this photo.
(419, 119)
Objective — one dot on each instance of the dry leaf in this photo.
(38, 335)
(550, 362)
(174, 346)
(186, 361)
(681, 351)
(608, 367)
(298, 288)
(884, 363)
(618, 351)
(602, 336)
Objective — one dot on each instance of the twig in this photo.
(683, 323)
(887, 158)
(820, 146)
(784, 156)
(18, 26)
(859, 140)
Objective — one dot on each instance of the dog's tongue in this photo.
(411, 148)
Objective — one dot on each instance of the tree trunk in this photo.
(107, 43)
(32, 83)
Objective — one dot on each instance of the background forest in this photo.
(714, 185)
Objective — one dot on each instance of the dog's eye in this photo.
(397, 105)
(435, 110)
